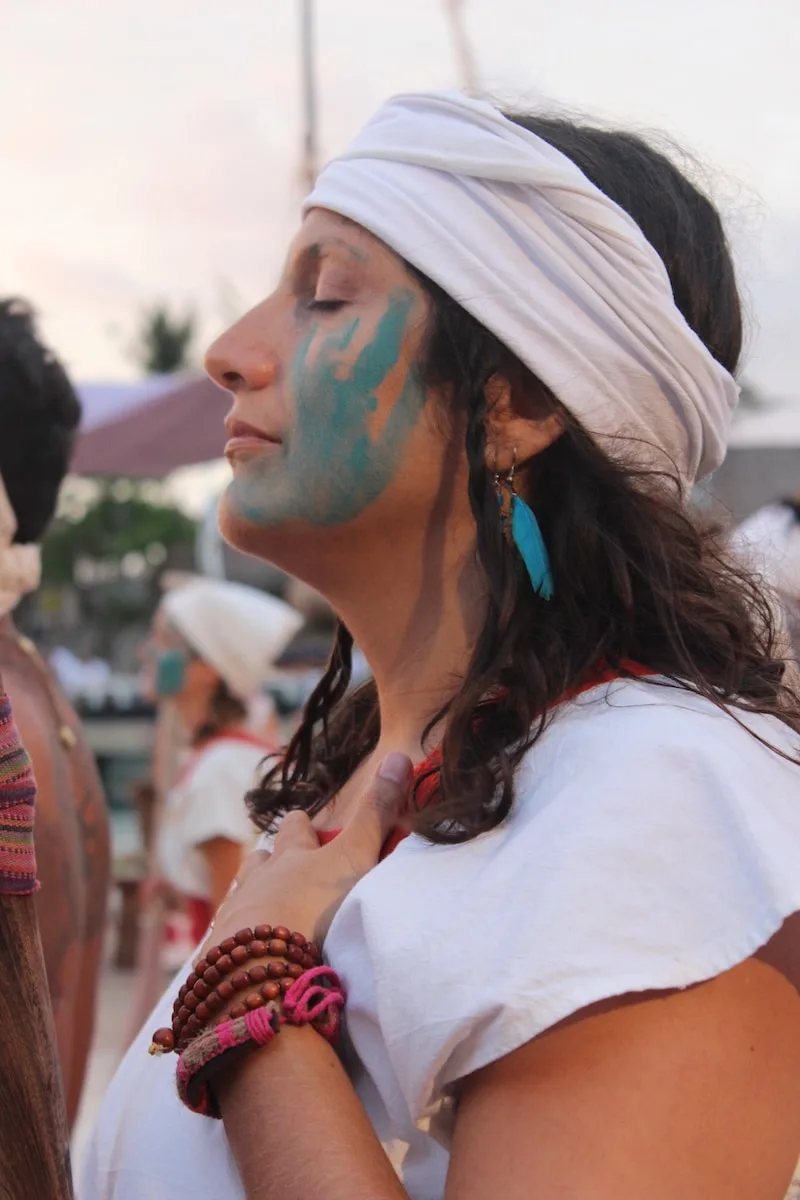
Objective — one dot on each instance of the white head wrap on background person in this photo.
(236, 629)
(514, 231)
(20, 565)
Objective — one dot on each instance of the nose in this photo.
(239, 361)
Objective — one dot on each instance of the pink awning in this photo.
(150, 428)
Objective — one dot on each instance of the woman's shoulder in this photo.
(624, 719)
(653, 843)
(650, 753)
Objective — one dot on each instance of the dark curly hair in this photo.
(224, 711)
(39, 413)
(638, 578)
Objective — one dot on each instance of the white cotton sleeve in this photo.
(214, 795)
(654, 844)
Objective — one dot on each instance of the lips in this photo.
(244, 439)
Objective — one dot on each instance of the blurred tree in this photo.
(164, 341)
(112, 528)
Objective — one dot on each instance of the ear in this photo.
(203, 673)
(518, 426)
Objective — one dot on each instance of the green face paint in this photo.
(331, 466)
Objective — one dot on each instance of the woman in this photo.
(470, 415)
(214, 643)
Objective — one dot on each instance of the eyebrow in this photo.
(312, 253)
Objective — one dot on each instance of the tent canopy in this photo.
(151, 427)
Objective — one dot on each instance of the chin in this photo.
(293, 546)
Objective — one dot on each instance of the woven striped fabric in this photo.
(17, 797)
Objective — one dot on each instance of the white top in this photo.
(654, 843)
(207, 802)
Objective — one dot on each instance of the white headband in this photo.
(20, 566)
(514, 231)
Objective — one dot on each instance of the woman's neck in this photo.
(418, 640)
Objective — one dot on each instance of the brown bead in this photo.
(164, 1038)
(183, 1014)
(275, 970)
(177, 1029)
(270, 991)
(237, 1010)
(280, 931)
(253, 1000)
(225, 989)
(313, 949)
(240, 980)
(182, 993)
(277, 948)
(240, 955)
(191, 981)
(203, 1012)
(193, 1027)
(227, 945)
(201, 989)
(225, 964)
(213, 1003)
(258, 973)
(199, 967)
(294, 954)
(244, 936)
(258, 949)
(263, 932)
(191, 1001)
(298, 939)
(307, 962)
(285, 984)
(213, 955)
(212, 976)
(294, 970)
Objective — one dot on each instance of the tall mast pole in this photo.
(310, 146)
(463, 49)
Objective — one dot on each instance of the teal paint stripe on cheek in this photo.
(333, 467)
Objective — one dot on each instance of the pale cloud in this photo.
(149, 148)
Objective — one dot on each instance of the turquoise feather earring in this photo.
(522, 528)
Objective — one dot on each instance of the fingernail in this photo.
(394, 768)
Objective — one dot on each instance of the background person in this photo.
(213, 645)
(770, 540)
(39, 412)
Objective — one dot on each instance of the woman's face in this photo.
(174, 671)
(332, 430)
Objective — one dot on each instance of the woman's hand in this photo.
(301, 884)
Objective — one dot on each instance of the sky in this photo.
(150, 149)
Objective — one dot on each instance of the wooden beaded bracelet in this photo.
(316, 999)
(220, 974)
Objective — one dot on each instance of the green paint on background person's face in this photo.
(331, 467)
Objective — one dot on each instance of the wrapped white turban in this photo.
(514, 231)
(238, 630)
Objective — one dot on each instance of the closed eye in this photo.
(326, 305)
